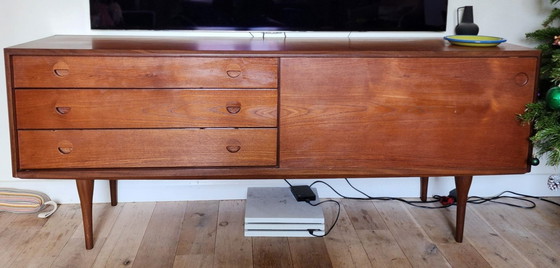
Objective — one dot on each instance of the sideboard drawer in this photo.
(52, 149)
(144, 108)
(143, 72)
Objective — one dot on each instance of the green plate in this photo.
(474, 40)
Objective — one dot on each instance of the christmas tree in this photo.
(544, 114)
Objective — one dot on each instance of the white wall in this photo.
(26, 20)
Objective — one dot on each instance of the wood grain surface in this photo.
(210, 234)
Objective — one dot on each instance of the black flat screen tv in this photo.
(270, 15)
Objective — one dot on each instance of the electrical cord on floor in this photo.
(480, 200)
(449, 200)
(445, 201)
(367, 197)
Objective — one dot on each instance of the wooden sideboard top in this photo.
(274, 47)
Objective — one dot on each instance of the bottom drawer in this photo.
(51, 149)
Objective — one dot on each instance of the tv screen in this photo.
(270, 15)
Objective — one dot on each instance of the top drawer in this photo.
(143, 72)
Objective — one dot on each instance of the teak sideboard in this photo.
(110, 108)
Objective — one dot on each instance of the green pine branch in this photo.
(550, 54)
(544, 35)
(554, 15)
(546, 121)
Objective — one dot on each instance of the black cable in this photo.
(334, 222)
(534, 197)
(437, 198)
(339, 194)
(481, 200)
(288, 182)
(317, 204)
(357, 190)
(412, 203)
(472, 199)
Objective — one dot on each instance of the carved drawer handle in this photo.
(65, 150)
(63, 110)
(65, 147)
(61, 69)
(233, 107)
(233, 148)
(233, 71)
(61, 72)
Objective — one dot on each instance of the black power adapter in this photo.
(303, 193)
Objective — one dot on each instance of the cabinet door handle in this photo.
(521, 79)
(233, 148)
(233, 107)
(62, 110)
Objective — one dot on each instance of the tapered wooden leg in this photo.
(424, 188)
(85, 192)
(113, 189)
(462, 185)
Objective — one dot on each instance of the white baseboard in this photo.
(64, 191)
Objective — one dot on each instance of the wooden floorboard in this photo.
(376, 239)
(15, 237)
(271, 252)
(70, 257)
(494, 248)
(42, 249)
(419, 249)
(197, 241)
(210, 234)
(233, 249)
(439, 226)
(121, 246)
(159, 245)
(544, 225)
(515, 232)
(343, 242)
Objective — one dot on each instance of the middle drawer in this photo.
(144, 108)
